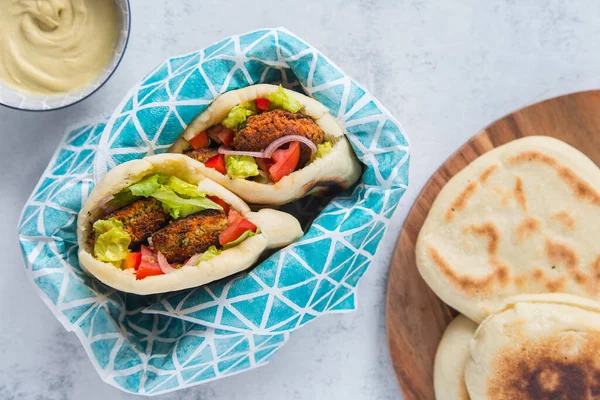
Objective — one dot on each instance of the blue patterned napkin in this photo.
(156, 344)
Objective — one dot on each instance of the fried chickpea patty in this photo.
(190, 235)
(201, 155)
(263, 129)
(141, 219)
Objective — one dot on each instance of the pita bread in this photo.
(278, 229)
(337, 170)
(522, 218)
(451, 358)
(537, 347)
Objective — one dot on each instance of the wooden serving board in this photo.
(415, 317)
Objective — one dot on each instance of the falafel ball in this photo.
(190, 235)
(263, 129)
(141, 219)
(201, 155)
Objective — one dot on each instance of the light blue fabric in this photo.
(156, 344)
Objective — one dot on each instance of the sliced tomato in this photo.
(235, 230)
(285, 161)
(226, 137)
(220, 202)
(200, 141)
(148, 265)
(262, 104)
(133, 260)
(233, 217)
(217, 162)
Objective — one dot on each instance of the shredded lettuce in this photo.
(183, 188)
(281, 99)
(244, 236)
(323, 149)
(112, 241)
(209, 254)
(238, 115)
(241, 166)
(179, 207)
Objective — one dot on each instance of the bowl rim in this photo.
(102, 83)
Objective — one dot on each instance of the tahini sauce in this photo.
(50, 47)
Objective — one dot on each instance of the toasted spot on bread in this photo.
(580, 188)
(489, 232)
(558, 366)
(565, 219)
(465, 283)
(461, 201)
(527, 228)
(486, 174)
(520, 194)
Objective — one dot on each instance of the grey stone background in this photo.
(445, 69)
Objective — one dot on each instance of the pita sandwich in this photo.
(158, 225)
(270, 145)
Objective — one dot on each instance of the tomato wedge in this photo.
(217, 162)
(285, 161)
(262, 104)
(148, 265)
(133, 260)
(220, 202)
(200, 141)
(235, 230)
(233, 217)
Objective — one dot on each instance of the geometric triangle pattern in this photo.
(161, 343)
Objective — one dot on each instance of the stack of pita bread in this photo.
(513, 243)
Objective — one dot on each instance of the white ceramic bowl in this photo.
(12, 98)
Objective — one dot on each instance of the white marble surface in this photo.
(444, 68)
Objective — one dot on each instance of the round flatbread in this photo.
(337, 170)
(277, 229)
(537, 347)
(522, 218)
(451, 358)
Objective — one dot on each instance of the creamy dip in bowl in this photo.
(54, 53)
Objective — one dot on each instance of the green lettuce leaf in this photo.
(121, 199)
(143, 188)
(238, 115)
(280, 99)
(209, 254)
(183, 188)
(147, 186)
(323, 149)
(240, 166)
(244, 236)
(112, 241)
(179, 207)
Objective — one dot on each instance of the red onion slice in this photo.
(224, 150)
(103, 204)
(105, 200)
(193, 260)
(164, 264)
(268, 153)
